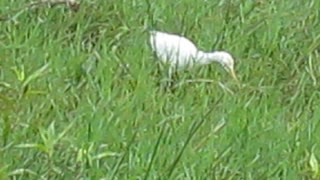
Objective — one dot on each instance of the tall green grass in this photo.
(81, 94)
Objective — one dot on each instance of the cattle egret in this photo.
(180, 52)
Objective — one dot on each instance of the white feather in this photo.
(180, 52)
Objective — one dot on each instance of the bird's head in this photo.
(227, 61)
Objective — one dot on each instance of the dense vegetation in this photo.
(81, 95)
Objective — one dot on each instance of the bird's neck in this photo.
(208, 57)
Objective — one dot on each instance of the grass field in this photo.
(81, 94)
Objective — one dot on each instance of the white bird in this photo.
(181, 52)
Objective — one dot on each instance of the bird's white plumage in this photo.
(179, 52)
(173, 49)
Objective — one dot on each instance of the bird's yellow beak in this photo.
(234, 76)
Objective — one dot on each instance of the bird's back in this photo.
(176, 50)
